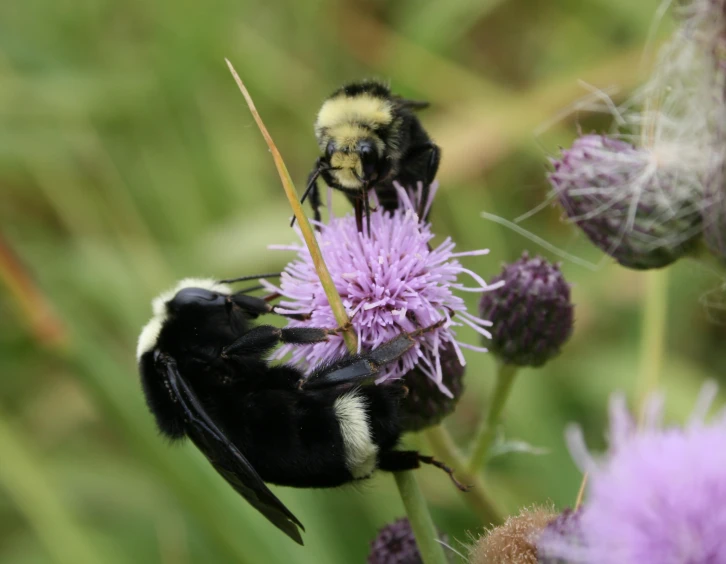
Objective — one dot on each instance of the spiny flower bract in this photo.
(391, 281)
(659, 494)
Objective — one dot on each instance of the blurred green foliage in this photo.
(129, 159)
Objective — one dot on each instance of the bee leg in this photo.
(395, 348)
(431, 170)
(311, 189)
(254, 306)
(316, 204)
(432, 167)
(264, 337)
(399, 460)
(256, 341)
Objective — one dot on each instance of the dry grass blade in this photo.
(326, 280)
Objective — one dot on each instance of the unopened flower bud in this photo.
(532, 314)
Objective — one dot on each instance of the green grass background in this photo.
(128, 159)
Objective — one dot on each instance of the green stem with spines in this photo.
(488, 430)
(413, 500)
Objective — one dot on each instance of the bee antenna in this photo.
(311, 182)
(252, 277)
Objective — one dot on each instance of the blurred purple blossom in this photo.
(659, 494)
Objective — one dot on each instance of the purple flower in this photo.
(658, 496)
(390, 282)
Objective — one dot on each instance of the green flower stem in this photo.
(444, 449)
(28, 486)
(336, 304)
(488, 431)
(432, 552)
(652, 334)
(413, 500)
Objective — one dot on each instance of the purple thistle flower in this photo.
(636, 206)
(390, 281)
(532, 313)
(659, 494)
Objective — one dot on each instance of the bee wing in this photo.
(227, 458)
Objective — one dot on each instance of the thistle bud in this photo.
(638, 208)
(426, 404)
(395, 544)
(514, 542)
(532, 314)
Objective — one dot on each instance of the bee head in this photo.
(354, 163)
(192, 295)
(196, 298)
(192, 298)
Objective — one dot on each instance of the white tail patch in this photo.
(360, 450)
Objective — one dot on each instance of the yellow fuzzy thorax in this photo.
(366, 109)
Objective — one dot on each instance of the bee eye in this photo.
(330, 149)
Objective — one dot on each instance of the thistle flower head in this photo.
(630, 203)
(391, 281)
(659, 494)
(514, 542)
(395, 544)
(532, 313)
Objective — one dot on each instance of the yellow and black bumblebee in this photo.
(371, 138)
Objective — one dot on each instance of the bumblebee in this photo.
(205, 376)
(371, 138)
